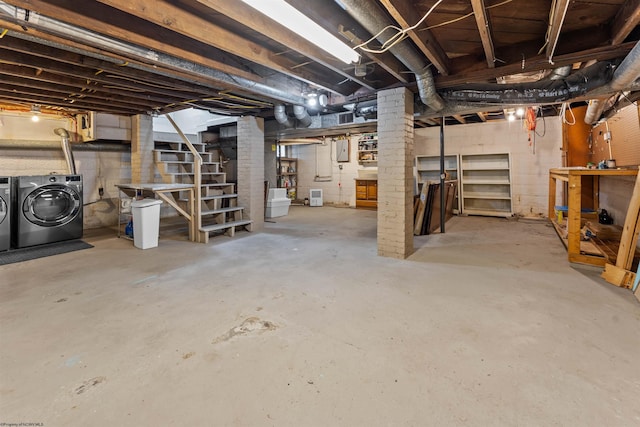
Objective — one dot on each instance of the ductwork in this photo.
(623, 78)
(280, 114)
(594, 110)
(541, 92)
(560, 73)
(628, 71)
(369, 14)
(55, 146)
(301, 113)
(109, 44)
(66, 149)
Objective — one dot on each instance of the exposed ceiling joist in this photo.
(459, 118)
(627, 18)
(405, 14)
(172, 17)
(255, 20)
(484, 27)
(558, 13)
(482, 116)
(537, 63)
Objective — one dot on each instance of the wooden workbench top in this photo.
(633, 171)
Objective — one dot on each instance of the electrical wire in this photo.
(563, 117)
(400, 35)
(442, 24)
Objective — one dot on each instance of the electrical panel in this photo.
(342, 150)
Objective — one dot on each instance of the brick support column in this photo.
(251, 169)
(395, 173)
(142, 165)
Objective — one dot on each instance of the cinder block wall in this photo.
(529, 170)
(338, 185)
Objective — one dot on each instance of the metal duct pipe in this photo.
(560, 72)
(623, 78)
(55, 146)
(109, 44)
(66, 149)
(301, 113)
(628, 71)
(541, 92)
(280, 114)
(594, 110)
(369, 14)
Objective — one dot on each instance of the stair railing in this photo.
(196, 210)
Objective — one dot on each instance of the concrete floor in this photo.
(303, 325)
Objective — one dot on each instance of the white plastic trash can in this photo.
(146, 222)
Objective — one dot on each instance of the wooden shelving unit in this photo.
(288, 176)
(368, 149)
(428, 171)
(486, 184)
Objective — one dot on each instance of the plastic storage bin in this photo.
(146, 222)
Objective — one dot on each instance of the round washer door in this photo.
(52, 205)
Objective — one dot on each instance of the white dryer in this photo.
(49, 209)
(6, 183)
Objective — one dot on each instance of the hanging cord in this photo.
(453, 21)
(544, 124)
(563, 117)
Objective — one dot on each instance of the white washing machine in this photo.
(48, 209)
(6, 183)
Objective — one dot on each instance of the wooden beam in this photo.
(173, 18)
(484, 27)
(537, 63)
(627, 18)
(69, 12)
(255, 20)
(555, 26)
(55, 101)
(459, 118)
(482, 116)
(405, 14)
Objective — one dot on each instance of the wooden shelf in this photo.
(486, 184)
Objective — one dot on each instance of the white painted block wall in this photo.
(318, 168)
(529, 171)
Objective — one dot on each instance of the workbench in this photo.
(574, 177)
(166, 193)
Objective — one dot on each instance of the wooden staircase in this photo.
(216, 202)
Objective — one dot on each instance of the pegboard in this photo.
(625, 138)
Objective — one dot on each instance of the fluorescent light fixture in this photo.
(285, 14)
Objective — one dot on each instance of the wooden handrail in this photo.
(196, 221)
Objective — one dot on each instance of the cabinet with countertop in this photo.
(367, 193)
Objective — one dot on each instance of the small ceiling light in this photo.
(520, 111)
(511, 117)
(285, 14)
(35, 110)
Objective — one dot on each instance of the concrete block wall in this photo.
(337, 184)
(99, 169)
(529, 170)
(142, 145)
(251, 169)
(395, 173)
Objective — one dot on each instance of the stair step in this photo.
(180, 162)
(215, 227)
(219, 196)
(222, 210)
(216, 197)
(217, 184)
(191, 173)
